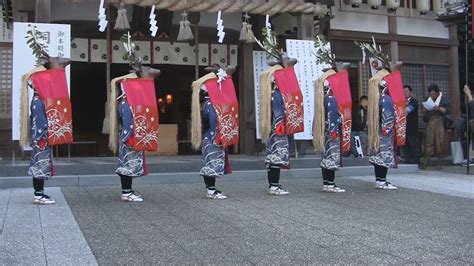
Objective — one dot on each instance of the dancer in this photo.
(138, 114)
(332, 116)
(50, 121)
(215, 124)
(281, 111)
(386, 116)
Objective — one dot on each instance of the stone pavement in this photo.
(177, 225)
(39, 235)
(428, 220)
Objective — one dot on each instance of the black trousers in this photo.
(126, 182)
(380, 172)
(328, 176)
(209, 181)
(38, 185)
(411, 150)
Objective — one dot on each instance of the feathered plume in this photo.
(323, 51)
(270, 44)
(375, 50)
(38, 48)
(131, 55)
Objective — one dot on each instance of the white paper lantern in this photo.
(374, 4)
(423, 6)
(392, 5)
(353, 3)
(438, 5)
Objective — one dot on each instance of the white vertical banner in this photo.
(307, 72)
(259, 65)
(57, 40)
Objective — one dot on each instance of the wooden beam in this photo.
(415, 40)
(43, 11)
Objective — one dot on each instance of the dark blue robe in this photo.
(41, 165)
(277, 149)
(332, 148)
(214, 161)
(385, 156)
(130, 162)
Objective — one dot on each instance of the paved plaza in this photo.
(428, 220)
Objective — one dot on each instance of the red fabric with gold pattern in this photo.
(141, 97)
(52, 89)
(341, 89)
(293, 99)
(225, 103)
(395, 89)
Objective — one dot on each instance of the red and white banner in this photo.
(339, 83)
(395, 89)
(52, 89)
(225, 103)
(293, 98)
(141, 97)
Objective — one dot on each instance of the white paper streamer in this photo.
(267, 23)
(102, 17)
(153, 27)
(220, 27)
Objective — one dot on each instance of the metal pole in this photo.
(196, 49)
(468, 131)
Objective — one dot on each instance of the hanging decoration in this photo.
(153, 27)
(185, 33)
(102, 17)
(392, 5)
(423, 6)
(122, 21)
(375, 4)
(220, 27)
(267, 23)
(246, 34)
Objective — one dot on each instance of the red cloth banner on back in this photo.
(293, 98)
(225, 103)
(395, 89)
(141, 97)
(341, 89)
(52, 89)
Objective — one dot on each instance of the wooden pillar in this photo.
(43, 11)
(455, 90)
(392, 31)
(305, 26)
(247, 100)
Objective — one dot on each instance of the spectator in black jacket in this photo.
(462, 125)
(359, 125)
(411, 150)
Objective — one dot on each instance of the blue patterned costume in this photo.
(385, 156)
(214, 161)
(130, 162)
(331, 158)
(277, 149)
(41, 165)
